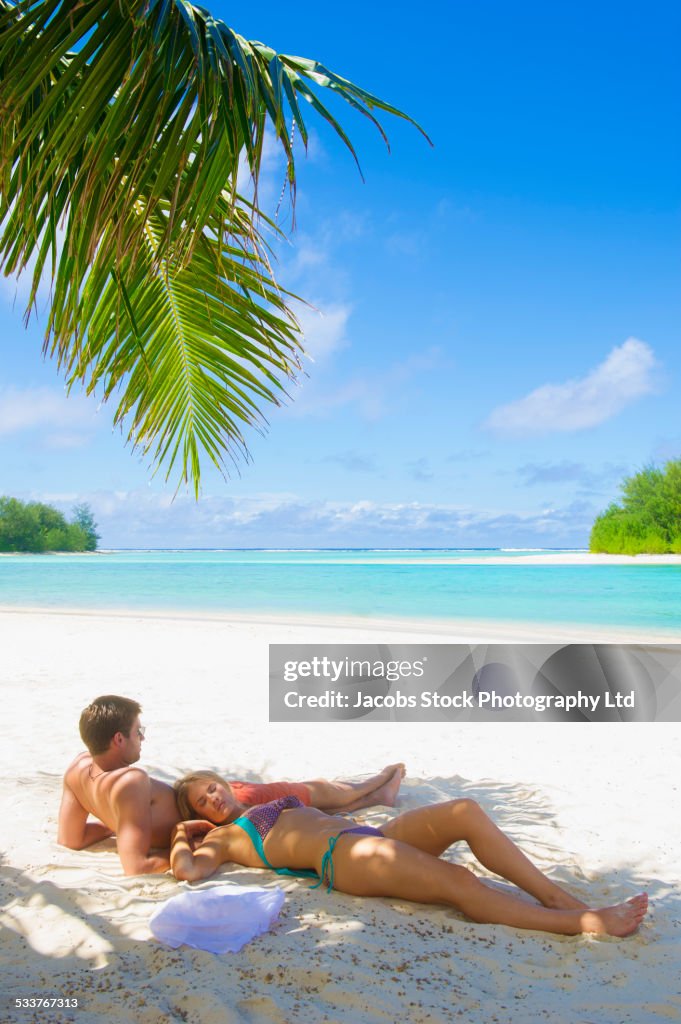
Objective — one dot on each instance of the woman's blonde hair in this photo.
(181, 788)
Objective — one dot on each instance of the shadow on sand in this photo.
(82, 942)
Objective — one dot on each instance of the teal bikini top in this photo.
(251, 831)
(257, 822)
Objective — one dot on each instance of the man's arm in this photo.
(74, 830)
(132, 803)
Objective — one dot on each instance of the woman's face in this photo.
(211, 800)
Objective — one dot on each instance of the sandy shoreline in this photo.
(577, 558)
(356, 629)
(420, 558)
(595, 804)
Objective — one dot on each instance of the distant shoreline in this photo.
(546, 556)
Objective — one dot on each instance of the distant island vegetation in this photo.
(648, 519)
(36, 528)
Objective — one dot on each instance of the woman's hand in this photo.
(193, 832)
(197, 831)
(187, 837)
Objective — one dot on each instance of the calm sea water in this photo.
(428, 584)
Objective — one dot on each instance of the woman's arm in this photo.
(189, 864)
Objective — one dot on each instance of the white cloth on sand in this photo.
(221, 919)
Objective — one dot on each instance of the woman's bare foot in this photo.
(387, 793)
(620, 920)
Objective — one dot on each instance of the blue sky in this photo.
(497, 342)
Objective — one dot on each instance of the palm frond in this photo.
(122, 124)
(189, 353)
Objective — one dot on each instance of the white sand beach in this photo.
(596, 806)
(578, 558)
(531, 558)
(581, 558)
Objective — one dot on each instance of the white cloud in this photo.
(42, 408)
(146, 518)
(625, 375)
(324, 329)
(309, 254)
(373, 395)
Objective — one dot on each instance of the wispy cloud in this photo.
(64, 419)
(373, 395)
(365, 396)
(625, 375)
(468, 455)
(420, 470)
(407, 243)
(310, 252)
(533, 473)
(447, 208)
(667, 448)
(354, 462)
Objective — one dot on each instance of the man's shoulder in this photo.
(130, 780)
(80, 761)
(131, 793)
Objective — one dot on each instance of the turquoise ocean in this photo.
(413, 584)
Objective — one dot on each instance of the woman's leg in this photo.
(433, 829)
(333, 797)
(371, 866)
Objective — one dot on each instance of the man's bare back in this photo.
(99, 794)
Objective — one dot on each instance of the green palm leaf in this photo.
(124, 122)
(189, 352)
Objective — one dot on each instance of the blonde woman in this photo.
(401, 860)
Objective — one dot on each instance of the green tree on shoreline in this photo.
(83, 517)
(648, 520)
(38, 528)
(124, 125)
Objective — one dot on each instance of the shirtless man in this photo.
(128, 803)
(141, 811)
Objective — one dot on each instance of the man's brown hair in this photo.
(101, 720)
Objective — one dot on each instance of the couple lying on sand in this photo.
(293, 834)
